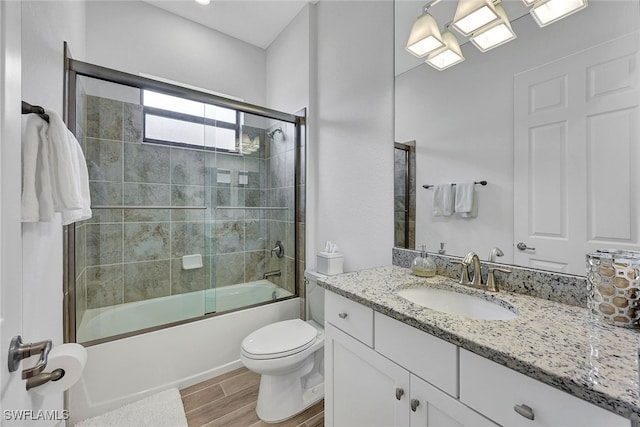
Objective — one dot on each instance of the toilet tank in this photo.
(315, 296)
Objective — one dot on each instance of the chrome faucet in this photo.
(274, 273)
(495, 251)
(477, 271)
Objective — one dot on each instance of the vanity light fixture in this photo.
(546, 12)
(425, 36)
(472, 15)
(448, 55)
(496, 34)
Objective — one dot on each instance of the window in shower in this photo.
(174, 120)
(183, 228)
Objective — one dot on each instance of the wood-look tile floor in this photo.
(229, 400)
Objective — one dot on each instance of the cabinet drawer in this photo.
(495, 390)
(353, 318)
(430, 358)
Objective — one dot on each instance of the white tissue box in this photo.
(330, 263)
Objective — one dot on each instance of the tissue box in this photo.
(330, 264)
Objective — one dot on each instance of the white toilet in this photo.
(290, 357)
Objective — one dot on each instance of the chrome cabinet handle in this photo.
(399, 393)
(342, 315)
(414, 404)
(523, 247)
(525, 411)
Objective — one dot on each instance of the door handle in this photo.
(399, 393)
(523, 247)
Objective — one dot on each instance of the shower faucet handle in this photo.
(278, 250)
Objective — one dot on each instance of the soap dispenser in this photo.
(422, 265)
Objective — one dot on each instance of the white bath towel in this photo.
(467, 199)
(443, 198)
(57, 180)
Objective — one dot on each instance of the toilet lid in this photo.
(280, 339)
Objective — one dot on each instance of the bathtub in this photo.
(128, 369)
(104, 322)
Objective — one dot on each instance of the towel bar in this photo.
(483, 183)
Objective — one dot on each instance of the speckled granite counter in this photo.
(549, 341)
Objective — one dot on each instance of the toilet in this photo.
(289, 356)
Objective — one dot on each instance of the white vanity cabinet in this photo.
(382, 372)
(365, 387)
(517, 400)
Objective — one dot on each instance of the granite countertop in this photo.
(549, 341)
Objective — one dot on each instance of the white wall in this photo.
(352, 160)
(462, 121)
(287, 66)
(136, 37)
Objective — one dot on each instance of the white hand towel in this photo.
(70, 174)
(467, 199)
(55, 176)
(443, 198)
(37, 201)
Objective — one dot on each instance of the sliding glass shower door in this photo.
(194, 209)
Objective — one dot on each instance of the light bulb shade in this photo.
(496, 34)
(447, 56)
(424, 37)
(471, 15)
(550, 11)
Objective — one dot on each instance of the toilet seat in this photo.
(279, 339)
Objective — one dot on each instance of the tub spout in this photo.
(274, 273)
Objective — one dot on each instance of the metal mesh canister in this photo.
(613, 280)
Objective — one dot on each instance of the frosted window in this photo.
(174, 120)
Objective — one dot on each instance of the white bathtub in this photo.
(104, 322)
(125, 370)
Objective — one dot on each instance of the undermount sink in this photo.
(457, 303)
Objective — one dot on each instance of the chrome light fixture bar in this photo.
(472, 15)
(425, 36)
(496, 34)
(448, 55)
(547, 12)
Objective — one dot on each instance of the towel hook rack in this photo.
(483, 183)
(34, 109)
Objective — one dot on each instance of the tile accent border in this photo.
(558, 287)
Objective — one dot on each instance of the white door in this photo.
(13, 394)
(431, 407)
(362, 388)
(576, 136)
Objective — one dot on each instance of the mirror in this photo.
(473, 122)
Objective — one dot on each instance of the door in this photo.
(362, 388)
(431, 407)
(14, 395)
(576, 146)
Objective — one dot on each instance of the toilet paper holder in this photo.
(19, 351)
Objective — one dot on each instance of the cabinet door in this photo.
(362, 388)
(437, 409)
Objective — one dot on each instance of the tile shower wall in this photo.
(136, 254)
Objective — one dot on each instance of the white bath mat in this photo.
(160, 410)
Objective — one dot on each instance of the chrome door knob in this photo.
(399, 393)
(414, 404)
(523, 247)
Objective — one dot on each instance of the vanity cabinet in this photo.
(365, 388)
(518, 400)
(382, 372)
